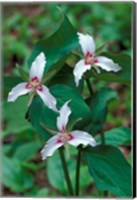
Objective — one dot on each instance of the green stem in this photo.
(62, 157)
(78, 171)
(102, 138)
(89, 86)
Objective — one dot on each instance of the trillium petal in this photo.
(63, 117)
(107, 64)
(79, 70)
(81, 137)
(87, 43)
(51, 146)
(47, 98)
(37, 67)
(17, 91)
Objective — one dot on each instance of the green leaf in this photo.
(26, 151)
(98, 106)
(40, 114)
(118, 136)
(14, 116)
(65, 76)
(54, 70)
(56, 46)
(109, 169)
(123, 76)
(14, 176)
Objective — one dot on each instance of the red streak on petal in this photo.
(35, 79)
(95, 60)
(71, 137)
(63, 129)
(88, 54)
(59, 141)
(28, 86)
(40, 88)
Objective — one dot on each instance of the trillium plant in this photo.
(64, 115)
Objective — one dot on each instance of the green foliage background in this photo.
(23, 25)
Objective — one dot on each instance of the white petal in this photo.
(79, 70)
(47, 98)
(81, 137)
(51, 146)
(37, 67)
(87, 43)
(17, 91)
(63, 117)
(107, 64)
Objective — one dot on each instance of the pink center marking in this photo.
(64, 138)
(90, 59)
(34, 84)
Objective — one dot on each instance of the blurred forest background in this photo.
(22, 26)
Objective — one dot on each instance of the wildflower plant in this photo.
(61, 113)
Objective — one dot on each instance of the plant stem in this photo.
(102, 137)
(89, 86)
(78, 171)
(62, 157)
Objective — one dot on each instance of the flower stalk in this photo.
(64, 165)
(78, 171)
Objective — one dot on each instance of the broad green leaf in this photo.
(27, 151)
(56, 46)
(14, 176)
(65, 76)
(41, 114)
(98, 106)
(54, 70)
(122, 76)
(118, 136)
(109, 169)
(14, 116)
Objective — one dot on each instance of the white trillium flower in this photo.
(88, 47)
(34, 84)
(74, 138)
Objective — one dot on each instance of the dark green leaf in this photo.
(118, 136)
(98, 106)
(56, 46)
(65, 76)
(109, 169)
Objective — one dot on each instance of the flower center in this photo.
(64, 137)
(90, 59)
(34, 84)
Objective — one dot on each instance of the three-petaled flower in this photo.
(88, 47)
(34, 84)
(74, 138)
